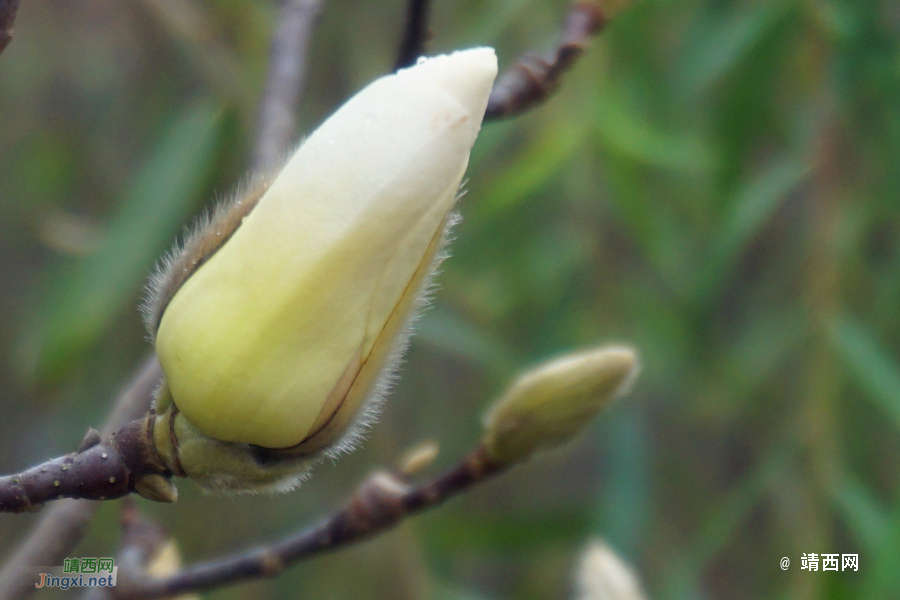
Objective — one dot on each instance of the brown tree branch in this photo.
(287, 65)
(65, 523)
(415, 35)
(383, 501)
(534, 78)
(99, 470)
(8, 10)
(141, 541)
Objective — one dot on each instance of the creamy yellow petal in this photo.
(255, 341)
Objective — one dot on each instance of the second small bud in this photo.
(552, 403)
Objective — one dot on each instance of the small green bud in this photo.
(418, 458)
(552, 403)
(157, 488)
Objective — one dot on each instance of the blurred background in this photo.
(717, 182)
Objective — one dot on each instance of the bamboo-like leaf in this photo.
(751, 208)
(872, 366)
(624, 130)
(730, 512)
(82, 304)
(868, 521)
(447, 331)
(534, 167)
(455, 593)
(718, 45)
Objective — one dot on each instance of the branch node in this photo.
(377, 503)
(270, 564)
(8, 10)
(90, 439)
(534, 77)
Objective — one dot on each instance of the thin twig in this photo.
(287, 65)
(142, 537)
(534, 78)
(65, 523)
(415, 35)
(8, 10)
(141, 540)
(382, 502)
(125, 463)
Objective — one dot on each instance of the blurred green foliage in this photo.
(717, 183)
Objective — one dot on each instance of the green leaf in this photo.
(496, 18)
(541, 160)
(84, 302)
(448, 592)
(750, 210)
(868, 521)
(622, 129)
(447, 331)
(653, 226)
(729, 513)
(718, 45)
(875, 369)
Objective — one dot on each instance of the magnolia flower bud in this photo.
(278, 324)
(552, 403)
